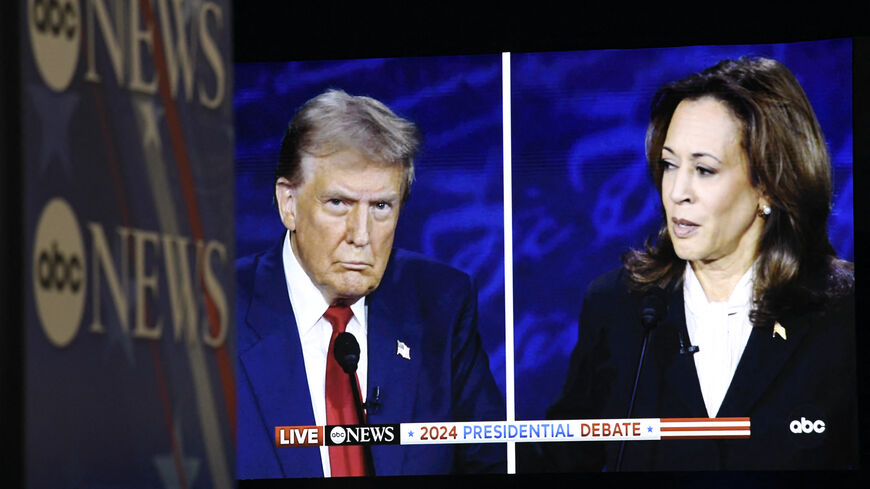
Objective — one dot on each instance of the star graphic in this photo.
(166, 463)
(169, 475)
(649, 429)
(54, 112)
(148, 116)
(410, 434)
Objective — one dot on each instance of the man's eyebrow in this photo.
(387, 196)
(334, 193)
(337, 193)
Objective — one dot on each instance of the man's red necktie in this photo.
(340, 409)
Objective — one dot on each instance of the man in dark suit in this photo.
(345, 171)
(801, 370)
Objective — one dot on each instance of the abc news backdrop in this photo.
(129, 246)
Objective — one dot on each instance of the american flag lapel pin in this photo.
(403, 350)
(778, 330)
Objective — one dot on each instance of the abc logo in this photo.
(337, 435)
(807, 426)
(59, 272)
(55, 271)
(52, 15)
(55, 36)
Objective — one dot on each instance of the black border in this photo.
(290, 31)
(285, 31)
(11, 297)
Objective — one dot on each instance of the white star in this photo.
(147, 116)
(54, 111)
(167, 468)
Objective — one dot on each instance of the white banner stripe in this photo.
(706, 434)
(706, 425)
(704, 420)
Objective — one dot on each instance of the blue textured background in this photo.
(455, 212)
(581, 193)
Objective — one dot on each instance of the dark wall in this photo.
(11, 431)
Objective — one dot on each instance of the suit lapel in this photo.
(678, 370)
(391, 319)
(274, 365)
(763, 359)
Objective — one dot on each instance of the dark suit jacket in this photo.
(810, 375)
(430, 307)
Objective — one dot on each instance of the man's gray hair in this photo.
(334, 121)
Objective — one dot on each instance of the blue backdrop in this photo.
(455, 213)
(581, 194)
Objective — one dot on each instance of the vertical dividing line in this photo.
(508, 254)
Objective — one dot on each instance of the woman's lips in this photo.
(684, 228)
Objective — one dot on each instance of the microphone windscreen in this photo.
(346, 351)
(653, 307)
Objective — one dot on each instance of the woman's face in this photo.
(710, 204)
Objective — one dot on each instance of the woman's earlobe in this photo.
(764, 209)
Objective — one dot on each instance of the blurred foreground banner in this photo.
(127, 144)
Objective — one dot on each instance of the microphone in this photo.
(687, 350)
(346, 352)
(653, 308)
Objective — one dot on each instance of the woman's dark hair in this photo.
(788, 164)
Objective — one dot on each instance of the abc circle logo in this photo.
(55, 271)
(55, 36)
(807, 426)
(56, 17)
(337, 435)
(59, 278)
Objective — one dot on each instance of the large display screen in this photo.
(283, 245)
(551, 147)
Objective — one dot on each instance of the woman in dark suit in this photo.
(756, 314)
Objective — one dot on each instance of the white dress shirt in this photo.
(315, 332)
(721, 331)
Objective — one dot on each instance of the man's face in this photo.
(343, 219)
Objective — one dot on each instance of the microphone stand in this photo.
(653, 309)
(633, 394)
(346, 351)
(367, 450)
